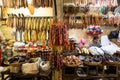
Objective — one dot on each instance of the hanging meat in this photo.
(25, 35)
(4, 3)
(30, 28)
(46, 3)
(28, 35)
(58, 34)
(25, 3)
(41, 24)
(33, 35)
(26, 23)
(37, 3)
(10, 21)
(50, 3)
(37, 24)
(29, 24)
(15, 21)
(23, 22)
(17, 4)
(56, 60)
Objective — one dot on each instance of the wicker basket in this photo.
(111, 63)
(15, 67)
(30, 68)
(91, 63)
(74, 65)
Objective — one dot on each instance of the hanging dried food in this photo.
(4, 12)
(26, 3)
(10, 21)
(33, 35)
(26, 23)
(25, 35)
(83, 20)
(50, 3)
(39, 35)
(46, 3)
(42, 36)
(37, 3)
(52, 59)
(59, 63)
(37, 24)
(28, 35)
(56, 60)
(4, 3)
(58, 34)
(42, 3)
(17, 4)
(10, 4)
(48, 24)
(15, 21)
(34, 23)
(65, 9)
(19, 22)
(40, 25)
(23, 22)
(29, 27)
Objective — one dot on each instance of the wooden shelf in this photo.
(99, 74)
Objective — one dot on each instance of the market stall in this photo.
(38, 41)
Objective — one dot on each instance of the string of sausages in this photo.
(56, 60)
(59, 34)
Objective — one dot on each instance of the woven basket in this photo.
(74, 65)
(30, 68)
(15, 67)
(111, 63)
(91, 63)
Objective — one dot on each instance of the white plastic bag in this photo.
(45, 65)
(110, 49)
(96, 51)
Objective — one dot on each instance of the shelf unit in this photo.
(91, 72)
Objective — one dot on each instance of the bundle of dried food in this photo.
(59, 34)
